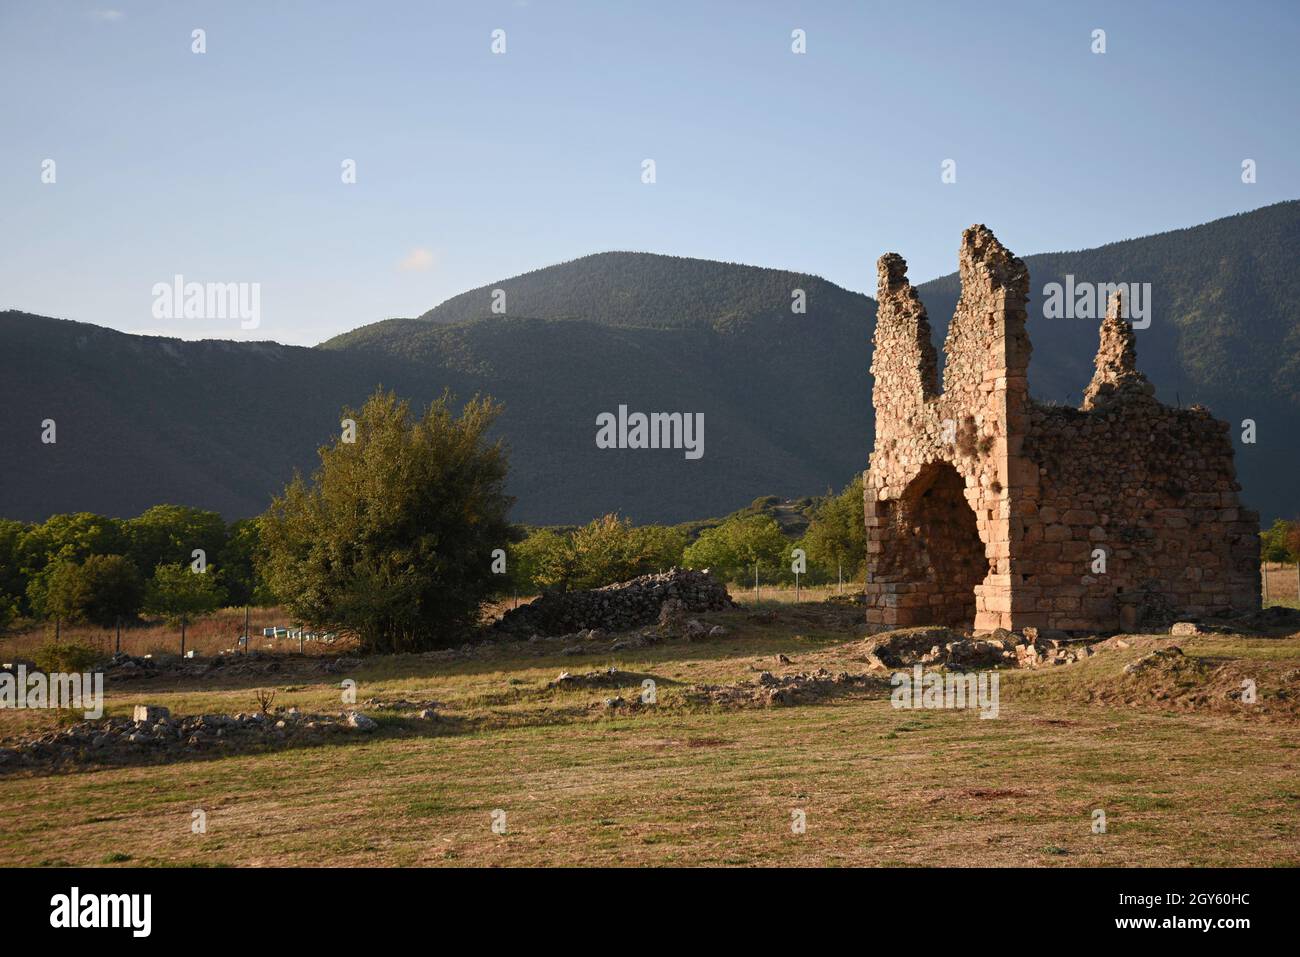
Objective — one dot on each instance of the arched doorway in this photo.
(941, 545)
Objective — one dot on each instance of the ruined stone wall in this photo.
(983, 509)
(1149, 491)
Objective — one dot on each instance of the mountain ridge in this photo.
(786, 396)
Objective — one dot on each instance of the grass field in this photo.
(1184, 775)
(1283, 584)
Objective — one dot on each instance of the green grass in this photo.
(684, 785)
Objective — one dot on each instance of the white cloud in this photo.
(418, 260)
(107, 15)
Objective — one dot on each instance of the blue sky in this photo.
(471, 167)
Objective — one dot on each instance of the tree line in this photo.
(399, 537)
(83, 567)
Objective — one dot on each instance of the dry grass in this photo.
(787, 595)
(681, 784)
(209, 635)
(1283, 584)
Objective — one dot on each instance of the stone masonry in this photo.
(986, 509)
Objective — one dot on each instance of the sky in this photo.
(226, 166)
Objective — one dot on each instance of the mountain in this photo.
(645, 290)
(767, 381)
(142, 419)
(785, 396)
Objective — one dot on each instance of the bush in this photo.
(605, 551)
(65, 656)
(392, 540)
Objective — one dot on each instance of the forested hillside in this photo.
(785, 396)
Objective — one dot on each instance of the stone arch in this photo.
(936, 547)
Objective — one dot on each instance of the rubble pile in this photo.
(152, 734)
(622, 607)
(771, 690)
(1031, 648)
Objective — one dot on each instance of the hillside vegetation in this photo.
(785, 396)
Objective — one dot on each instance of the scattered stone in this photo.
(1173, 655)
(361, 722)
(592, 679)
(1183, 628)
(770, 690)
(392, 704)
(150, 713)
(936, 646)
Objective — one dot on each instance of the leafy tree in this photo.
(116, 589)
(657, 547)
(66, 592)
(70, 536)
(1293, 541)
(836, 539)
(734, 548)
(542, 561)
(179, 594)
(238, 563)
(13, 583)
(63, 538)
(391, 540)
(1275, 542)
(604, 551)
(101, 590)
(170, 533)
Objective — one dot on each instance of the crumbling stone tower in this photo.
(985, 509)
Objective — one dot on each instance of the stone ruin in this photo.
(619, 607)
(986, 509)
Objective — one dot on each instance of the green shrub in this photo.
(65, 656)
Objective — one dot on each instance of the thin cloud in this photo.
(418, 260)
(107, 16)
